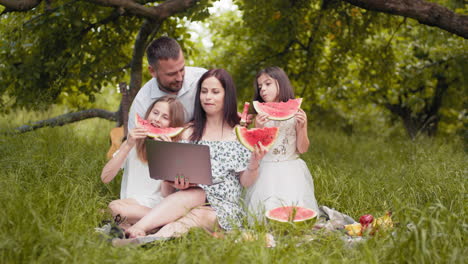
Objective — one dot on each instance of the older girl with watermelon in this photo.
(141, 193)
(284, 179)
(233, 166)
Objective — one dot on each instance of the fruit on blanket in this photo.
(278, 110)
(243, 120)
(366, 220)
(250, 137)
(293, 214)
(156, 131)
(383, 223)
(354, 229)
(369, 226)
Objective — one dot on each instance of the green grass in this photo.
(51, 197)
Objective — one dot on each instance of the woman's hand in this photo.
(301, 119)
(249, 176)
(258, 153)
(260, 120)
(181, 183)
(135, 134)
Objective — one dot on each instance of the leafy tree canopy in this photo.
(343, 58)
(70, 50)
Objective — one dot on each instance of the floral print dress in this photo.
(228, 160)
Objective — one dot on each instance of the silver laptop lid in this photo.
(166, 160)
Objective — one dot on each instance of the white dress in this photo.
(283, 179)
(137, 184)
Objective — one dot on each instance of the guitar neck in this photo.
(125, 106)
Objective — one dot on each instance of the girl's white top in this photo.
(137, 184)
(284, 178)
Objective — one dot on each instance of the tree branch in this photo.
(425, 12)
(111, 18)
(159, 12)
(19, 5)
(67, 119)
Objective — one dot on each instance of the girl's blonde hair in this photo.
(176, 119)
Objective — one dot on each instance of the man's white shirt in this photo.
(150, 92)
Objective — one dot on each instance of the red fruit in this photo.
(243, 120)
(366, 220)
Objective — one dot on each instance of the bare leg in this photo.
(204, 217)
(168, 210)
(128, 208)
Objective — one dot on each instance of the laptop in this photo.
(167, 160)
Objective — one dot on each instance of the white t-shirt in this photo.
(139, 185)
(150, 92)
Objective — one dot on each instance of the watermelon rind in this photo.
(278, 106)
(155, 132)
(241, 130)
(270, 214)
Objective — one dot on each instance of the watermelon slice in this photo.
(155, 132)
(292, 214)
(250, 137)
(243, 120)
(279, 110)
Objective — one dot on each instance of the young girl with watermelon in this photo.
(141, 192)
(284, 179)
(233, 166)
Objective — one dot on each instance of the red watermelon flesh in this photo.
(250, 137)
(156, 131)
(291, 214)
(243, 120)
(279, 110)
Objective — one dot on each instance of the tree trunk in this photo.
(147, 29)
(427, 120)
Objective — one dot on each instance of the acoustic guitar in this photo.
(118, 134)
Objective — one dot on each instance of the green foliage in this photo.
(68, 52)
(52, 199)
(347, 63)
(74, 49)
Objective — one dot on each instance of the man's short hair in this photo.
(163, 48)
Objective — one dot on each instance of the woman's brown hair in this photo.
(230, 115)
(176, 119)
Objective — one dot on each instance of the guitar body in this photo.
(117, 134)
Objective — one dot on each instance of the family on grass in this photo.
(205, 102)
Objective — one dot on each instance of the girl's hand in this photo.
(248, 119)
(260, 120)
(135, 134)
(301, 119)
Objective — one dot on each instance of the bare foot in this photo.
(133, 232)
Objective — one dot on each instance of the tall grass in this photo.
(51, 199)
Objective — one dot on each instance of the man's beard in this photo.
(168, 89)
